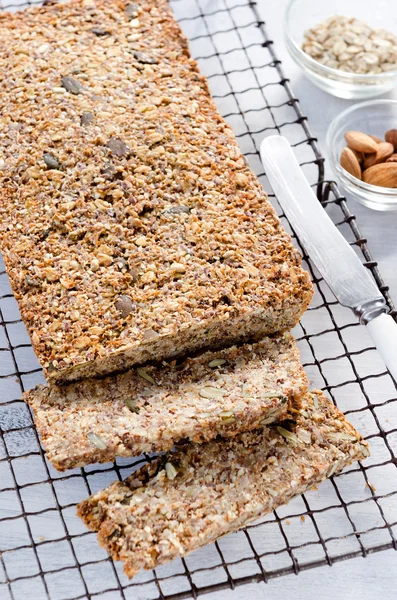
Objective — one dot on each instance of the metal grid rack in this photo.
(46, 552)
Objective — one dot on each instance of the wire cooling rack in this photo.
(46, 552)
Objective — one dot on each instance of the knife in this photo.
(336, 260)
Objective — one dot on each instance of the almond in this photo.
(391, 137)
(377, 139)
(383, 152)
(360, 142)
(383, 175)
(359, 155)
(392, 158)
(349, 162)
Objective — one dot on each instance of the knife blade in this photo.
(336, 260)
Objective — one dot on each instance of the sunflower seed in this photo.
(288, 435)
(170, 471)
(268, 420)
(51, 161)
(226, 414)
(72, 85)
(342, 436)
(211, 392)
(217, 362)
(304, 436)
(178, 268)
(142, 373)
(97, 441)
(335, 467)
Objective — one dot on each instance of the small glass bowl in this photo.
(374, 118)
(302, 15)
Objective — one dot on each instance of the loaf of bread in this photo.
(153, 408)
(195, 495)
(131, 226)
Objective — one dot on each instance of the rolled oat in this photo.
(351, 45)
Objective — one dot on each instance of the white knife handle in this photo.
(383, 331)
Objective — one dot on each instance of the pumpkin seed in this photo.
(86, 118)
(51, 161)
(211, 392)
(132, 10)
(126, 500)
(125, 305)
(170, 471)
(31, 282)
(118, 147)
(142, 373)
(217, 362)
(116, 533)
(72, 85)
(176, 210)
(97, 441)
(99, 31)
(145, 59)
(109, 172)
(131, 405)
(150, 335)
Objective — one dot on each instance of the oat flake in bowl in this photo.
(368, 30)
(348, 44)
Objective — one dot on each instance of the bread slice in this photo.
(152, 408)
(199, 493)
(130, 225)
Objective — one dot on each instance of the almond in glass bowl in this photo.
(362, 155)
(366, 159)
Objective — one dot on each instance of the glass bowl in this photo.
(374, 118)
(305, 14)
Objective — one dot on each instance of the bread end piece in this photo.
(191, 497)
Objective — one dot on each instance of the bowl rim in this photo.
(312, 63)
(333, 127)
